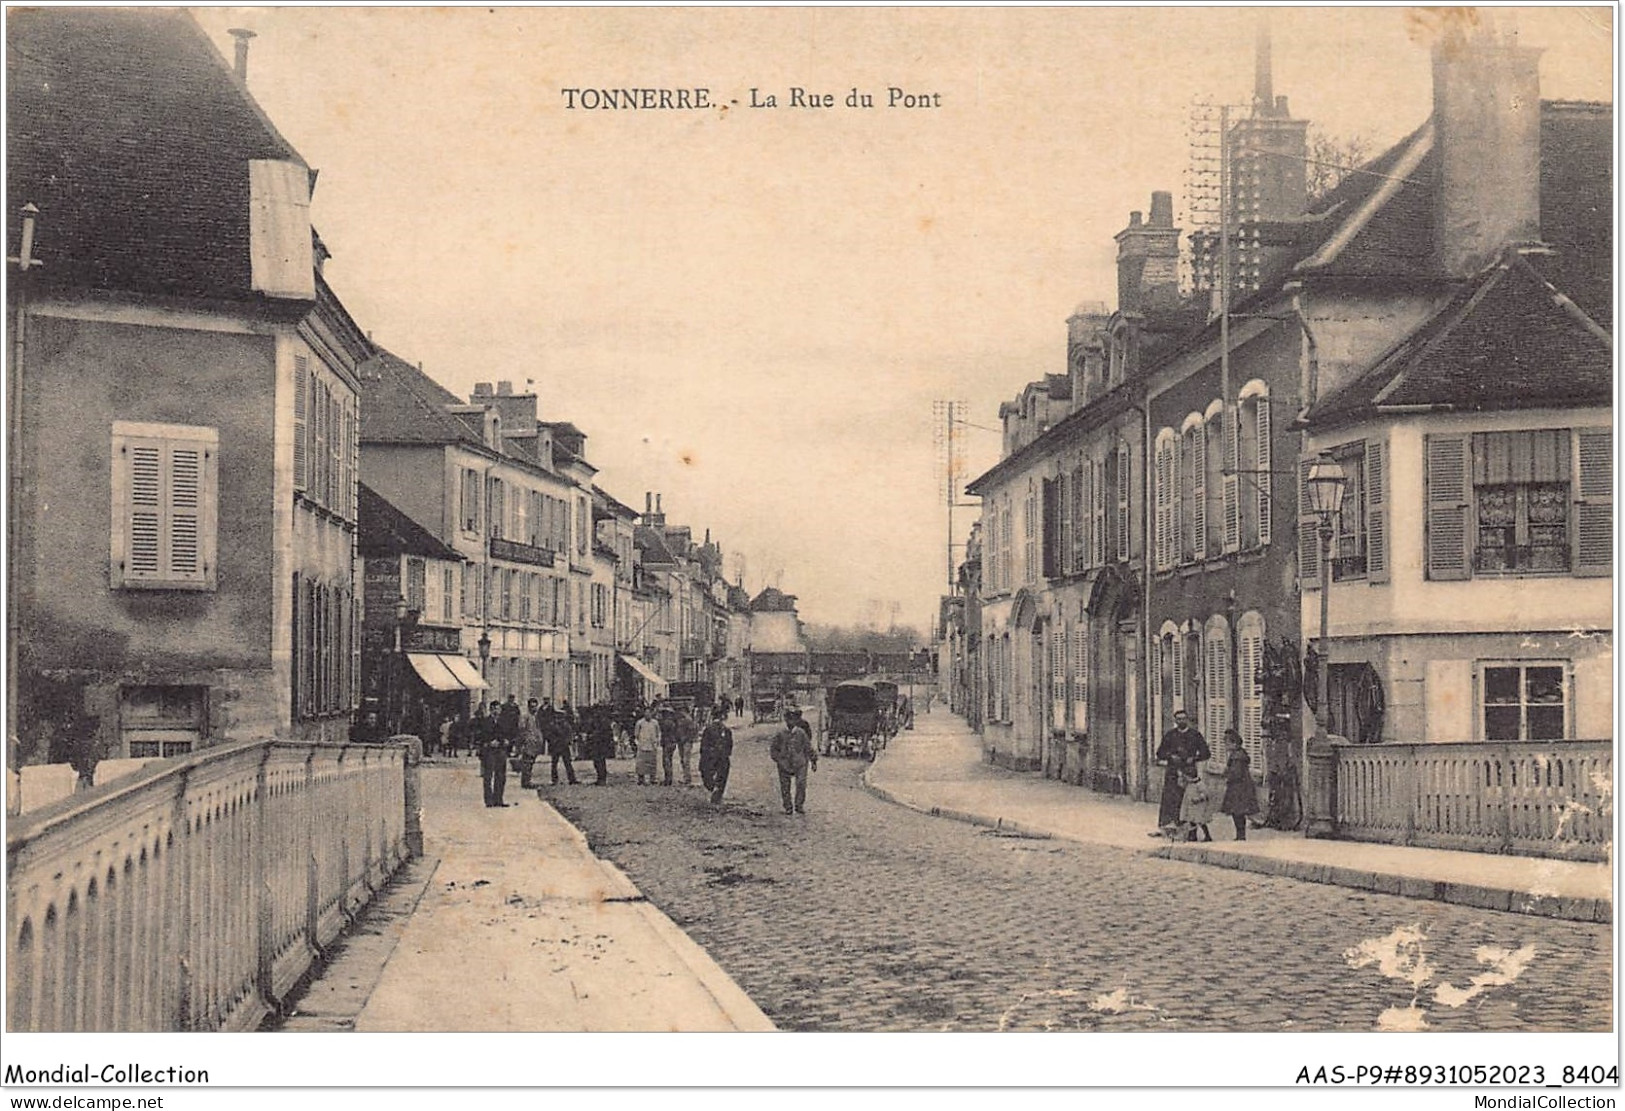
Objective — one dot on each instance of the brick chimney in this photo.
(1148, 259)
(1486, 116)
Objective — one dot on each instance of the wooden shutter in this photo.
(1080, 518)
(1199, 492)
(1124, 474)
(1250, 650)
(301, 415)
(1448, 546)
(1176, 507)
(1178, 644)
(1080, 678)
(1063, 494)
(165, 491)
(1164, 498)
(1594, 507)
(1265, 480)
(1376, 511)
(1308, 533)
(1098, 522)
(1057, 678)
(1047, 540)
(1230, 483)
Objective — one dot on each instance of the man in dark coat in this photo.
(508, 721)
(531, 743)
(493, 752)
(600, 741)
(560, 736)
(716, 756)
(1182, 750)
(688, 731)
(667, 717)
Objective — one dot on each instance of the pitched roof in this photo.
(1508, 339)
(401, 404)
(133, 137)
(383, 530)
(773, 600)
(652, 545)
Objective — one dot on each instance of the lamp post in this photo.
(1325, 486)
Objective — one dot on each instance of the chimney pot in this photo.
(482, 389)
(648, 503)
(1281, 108)
(1162, 210)
(1134, 219)
(242, 35)
(504, 389)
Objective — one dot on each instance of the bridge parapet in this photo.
(194, 893)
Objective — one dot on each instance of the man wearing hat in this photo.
(794, 754)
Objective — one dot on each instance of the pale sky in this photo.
(752, 310)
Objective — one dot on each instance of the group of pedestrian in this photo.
(505, 732)
(1188, 802)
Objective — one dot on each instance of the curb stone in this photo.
(1505, 900)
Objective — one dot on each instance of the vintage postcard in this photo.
(557, 521)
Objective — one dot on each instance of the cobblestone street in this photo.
(864, 916)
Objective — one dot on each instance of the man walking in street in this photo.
(561, 737)
(493, 752)
(716, 756)
(668, 740)
(793, 752)
(531, 743)
(600, 741)
(688, 731)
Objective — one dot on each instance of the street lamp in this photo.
(1324, 485)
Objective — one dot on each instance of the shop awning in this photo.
(644, 670)
(433, 671)
(465, 671)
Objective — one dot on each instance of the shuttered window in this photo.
(1124, 484)
(1594, 503)
(1264, 478)
(1249, 660)
(1216, 647)
(1196, 441)
(1164, 499)
(1057, 678)
(1376, 511)
(1080, 517)
(165, 498)
(301, 421)
(1063, 495)
(1308, 533)
(1447, 508)
(1080, 678)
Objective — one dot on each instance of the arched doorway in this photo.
(1116, 759)
(1029, 713)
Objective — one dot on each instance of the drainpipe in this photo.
(25, 262)
(1311, 350)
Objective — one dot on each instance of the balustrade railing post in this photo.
(313, 887)
(182, 955)
(265, 902)
(413, 788)
(1506, 799)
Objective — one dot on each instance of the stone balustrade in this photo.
(1536, 798)
(194, 893)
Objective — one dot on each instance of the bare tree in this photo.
(1331, 158)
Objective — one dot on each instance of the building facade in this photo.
(184, 406)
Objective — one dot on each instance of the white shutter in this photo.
(1057, 678)
(1199, 491)
(1176, 509)
(1179, 671)
(301, 420)
(1123, 487)
(1080, 678)
(164, 487)
(1263, 477)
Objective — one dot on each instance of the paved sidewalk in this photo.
(938, 768)
(519, 927)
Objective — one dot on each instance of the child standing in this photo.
(1240, 795)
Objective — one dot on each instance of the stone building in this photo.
(183, 404)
